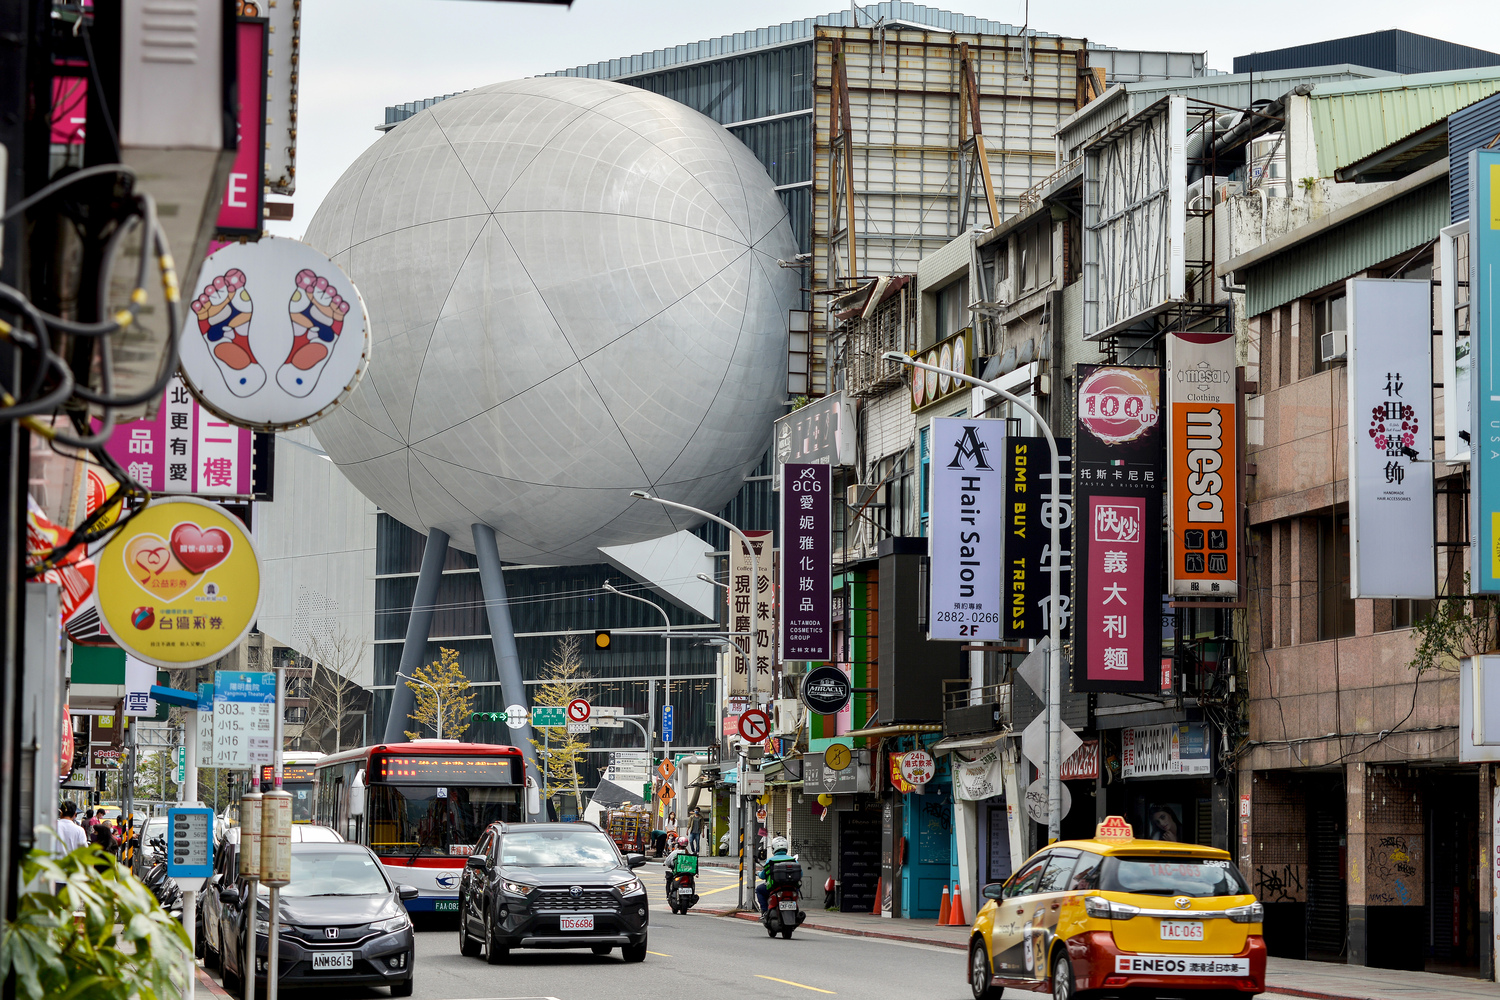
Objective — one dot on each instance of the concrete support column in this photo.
(1354, 795)
(418, 628)
(966, 830)
(503, 635)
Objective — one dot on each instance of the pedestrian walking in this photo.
(695, 830)
(69, 833)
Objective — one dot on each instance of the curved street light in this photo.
(1054, 612)
(437, 697)
(650, 711)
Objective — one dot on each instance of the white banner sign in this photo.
(968, 518)
(1390, 439)
(139, 676)
(974, 780)
(1146, 751)
(752, 608)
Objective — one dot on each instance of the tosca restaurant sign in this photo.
(806, 565)
(1118, 477)
(968, 520)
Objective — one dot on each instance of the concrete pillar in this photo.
(966, 830)
(503, 636)
(418, 629)
(1354, 795)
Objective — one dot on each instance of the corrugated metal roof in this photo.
(1352, 120)
(1393, 50)
(1469, 129)
(1406, 223)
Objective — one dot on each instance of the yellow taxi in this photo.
(1117, 913)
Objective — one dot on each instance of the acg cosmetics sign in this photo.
(1202, 480)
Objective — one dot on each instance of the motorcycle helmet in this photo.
(780, 845)
(682, 842)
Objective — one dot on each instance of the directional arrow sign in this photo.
(548, 715)
(578, 710)
(755, 725)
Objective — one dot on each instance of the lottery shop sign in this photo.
(179, 584)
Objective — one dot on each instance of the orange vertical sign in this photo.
(1202, 465)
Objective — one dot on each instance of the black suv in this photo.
(551, 885)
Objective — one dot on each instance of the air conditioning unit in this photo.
(863, 493)
(788, 716)
(1333, 345)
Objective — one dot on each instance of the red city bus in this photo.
(421, 807)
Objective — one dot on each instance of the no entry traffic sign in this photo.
(755, 725)
(578, 710)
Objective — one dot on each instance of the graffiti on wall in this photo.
(1280, 883)
(1393, 868)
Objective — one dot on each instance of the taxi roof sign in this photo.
(1114, 828)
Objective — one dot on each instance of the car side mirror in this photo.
(994, 890)
(479, 861)
(635, 860)
(229, 896)
(405, 892)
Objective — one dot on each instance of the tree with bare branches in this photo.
(336, 705)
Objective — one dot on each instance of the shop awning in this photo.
(896, 730)
(981, 742)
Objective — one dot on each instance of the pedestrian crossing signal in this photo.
(601, 639)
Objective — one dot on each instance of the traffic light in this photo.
(491, 716)
(601, 639)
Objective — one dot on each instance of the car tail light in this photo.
(1116, 981)
(1105, 909)
(1250, 914)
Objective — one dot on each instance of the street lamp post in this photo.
(1054, 610)
(651, 685)
(750, 679)
(437, 696)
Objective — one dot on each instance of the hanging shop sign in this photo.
(918, 767)
(956, 353)
(1484, 351)
(1118, 476)
(1083, 764)
(968, 515)
(826, 690)
(276, 334)
(978, 779)
(822, 432)
(1392, 547)
(179, 584)
(1203, 482)
(806, 612)
(1030, 506)
(242, 209)
(185, 449)
(1151, 751)
(752, 611)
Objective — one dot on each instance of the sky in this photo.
(360, 55)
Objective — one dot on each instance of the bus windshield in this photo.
(436, 821)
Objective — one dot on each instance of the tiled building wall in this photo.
(1393, 857)
(1278, 838)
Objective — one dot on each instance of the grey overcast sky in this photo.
(360, 55)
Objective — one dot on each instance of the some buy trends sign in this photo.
(1117, 485)
(968, 520)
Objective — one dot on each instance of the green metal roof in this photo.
(1354, 119)
(1404, 224)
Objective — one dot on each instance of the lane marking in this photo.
(710, 892)
(657, 953)
(815, 989)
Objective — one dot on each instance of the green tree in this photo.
(457, 701)
(1460, 625)
(562, 752)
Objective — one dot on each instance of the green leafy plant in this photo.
(101, 936)
(1459, 626)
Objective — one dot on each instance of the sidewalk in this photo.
(1289, 977)
(208, 986)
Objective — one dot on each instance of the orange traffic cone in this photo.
(943, 908)
(956, 913)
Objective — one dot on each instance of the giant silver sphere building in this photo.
(573, 292)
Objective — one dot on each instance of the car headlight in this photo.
(517, 888)
(391, 924)
(1252, 913)
(1105, 909)
(630, 886)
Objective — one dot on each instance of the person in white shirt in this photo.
(68, 831)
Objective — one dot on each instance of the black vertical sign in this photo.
(1118, 482)
(1026, 578)
(806, 562)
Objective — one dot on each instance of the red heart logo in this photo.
(199, 550)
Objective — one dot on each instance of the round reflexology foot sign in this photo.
(276, 334)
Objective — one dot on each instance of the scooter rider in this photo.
(670, 865)
(780, 851)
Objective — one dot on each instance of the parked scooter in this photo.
(783, 912)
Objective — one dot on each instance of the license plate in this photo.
(445, 906)
(578, 923)
(787, 904)
(333, 960)
(1182, 930)
(1181, 965)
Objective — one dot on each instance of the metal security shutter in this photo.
(1325, 882)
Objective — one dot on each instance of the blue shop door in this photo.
(928, 823)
